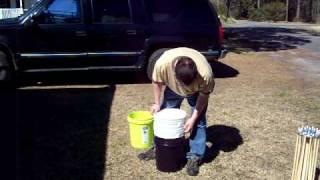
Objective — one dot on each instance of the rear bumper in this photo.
(223, 53)
(214, 54)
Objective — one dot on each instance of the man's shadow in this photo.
(317, 176)
(223, 138)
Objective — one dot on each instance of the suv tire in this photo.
(5, 73)
(153, 59)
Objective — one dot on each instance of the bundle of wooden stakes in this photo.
(306, 152)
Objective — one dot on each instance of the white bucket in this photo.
(168, 123)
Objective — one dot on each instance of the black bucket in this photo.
(170, 154)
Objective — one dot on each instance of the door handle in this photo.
(132, 32)
(81, 33)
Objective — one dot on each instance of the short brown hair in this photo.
(186, 70)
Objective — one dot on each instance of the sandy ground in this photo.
(260, 100)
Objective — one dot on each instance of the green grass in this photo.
(314, 107)
(284, 94)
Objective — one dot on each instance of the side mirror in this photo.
(31, 22)
(39, 18)
(36, 19)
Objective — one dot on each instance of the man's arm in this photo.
(157, 89)
(201, 104)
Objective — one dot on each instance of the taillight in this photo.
(221, 34)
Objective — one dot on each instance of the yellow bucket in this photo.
(141, 129)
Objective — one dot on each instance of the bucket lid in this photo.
(170, 114)
(140, 117)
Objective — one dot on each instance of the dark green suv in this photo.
(78, 35)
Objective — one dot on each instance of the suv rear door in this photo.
(116, 34)
(56, 40)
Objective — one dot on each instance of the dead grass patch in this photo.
(266, 102)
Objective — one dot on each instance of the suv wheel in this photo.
(153, 59)
(5, 73)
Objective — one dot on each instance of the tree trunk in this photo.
(287, 10)
(298, 11)
(316, 11)
(228, 8)
(310, 10)
(258, 4)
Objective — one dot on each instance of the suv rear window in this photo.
(185, 11)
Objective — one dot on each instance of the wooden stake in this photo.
(298, 156)
(310, 159)
(300, 165)
(295, 157)
(305, 159)
(317, 142)
(300, 160)
(314, 162)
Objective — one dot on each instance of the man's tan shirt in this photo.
(164, 72)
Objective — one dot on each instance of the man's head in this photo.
(186, 70)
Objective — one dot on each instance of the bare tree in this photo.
(228, 8)
(298, 11)
(287, 10)
(310, 4)
(316, 11)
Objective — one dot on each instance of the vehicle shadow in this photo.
(62, 132)
(257, 39)
(89, 78)
(222, 138)
(221, 70)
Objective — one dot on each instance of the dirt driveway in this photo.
(261, 97)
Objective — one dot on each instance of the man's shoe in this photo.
(148, 155)
(193, 166)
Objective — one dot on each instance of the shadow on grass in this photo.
(257, 39)
(221, 70)
(62, 132)
(317, 176)
(223, 138)
(7, 133)
(85, 77)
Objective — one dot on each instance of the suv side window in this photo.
(164, 11)
(197, 12)
(185, 11)
(61, 12)
(111, 11)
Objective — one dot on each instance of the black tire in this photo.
(153, 59)
(5, 73)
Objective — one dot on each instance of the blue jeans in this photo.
(198, 137)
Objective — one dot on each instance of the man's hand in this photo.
(157, 87)
(201, 104)
(189, 125)
(155, 108)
